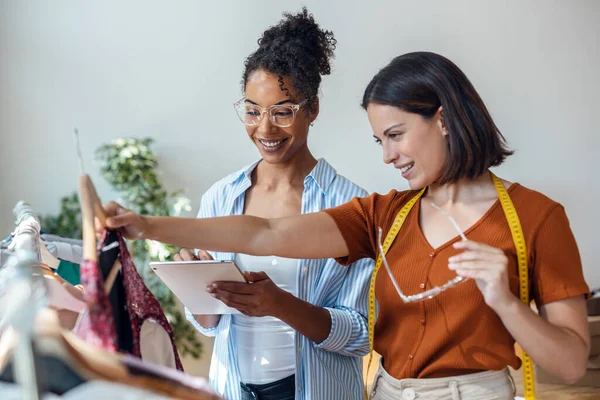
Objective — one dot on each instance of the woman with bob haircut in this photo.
(449, 307)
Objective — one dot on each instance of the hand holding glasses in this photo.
(428, 294)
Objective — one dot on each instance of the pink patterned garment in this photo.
(97, 326)
(141, 303)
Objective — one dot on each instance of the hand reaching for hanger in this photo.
(133, 225)
(260, 298)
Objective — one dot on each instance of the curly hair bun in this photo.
(296, 47)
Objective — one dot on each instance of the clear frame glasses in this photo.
(428, 294)
(281, 116)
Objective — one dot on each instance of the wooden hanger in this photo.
(92, 211)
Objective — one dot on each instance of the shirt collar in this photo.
(322, 174)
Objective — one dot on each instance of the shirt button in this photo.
(299, 388)
(411, 356)
(422, 322)
(305, 269)
(422, 286)
(432, 254)
(408, 394)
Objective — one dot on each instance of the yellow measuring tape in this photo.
(518, 238)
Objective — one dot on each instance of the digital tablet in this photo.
(188, 281)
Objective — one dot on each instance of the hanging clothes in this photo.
(104, 325)
(69, 271)
(48, 237)
(141, 303)
(65, 251)
(97, 326)
(70, 369)
(155, 344)
(108, 259)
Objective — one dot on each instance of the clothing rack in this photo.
(23, 295)
(24, 291)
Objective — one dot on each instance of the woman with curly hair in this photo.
(303, 325)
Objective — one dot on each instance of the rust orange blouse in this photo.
(456, 333)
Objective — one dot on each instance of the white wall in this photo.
(171, 70)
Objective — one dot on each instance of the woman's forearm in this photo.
(303, 236)
(558, 350)
(312, 321)
(237, 234)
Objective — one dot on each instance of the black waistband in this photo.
(283, 389)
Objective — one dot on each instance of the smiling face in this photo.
(416, 146)
(276, 144)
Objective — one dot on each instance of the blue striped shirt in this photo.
(328, 370)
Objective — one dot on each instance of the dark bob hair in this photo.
(421, 83)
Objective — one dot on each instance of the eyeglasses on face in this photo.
(282, 115)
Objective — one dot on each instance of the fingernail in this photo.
(452, 259)
(209, 289)
(452, 265)
(214, 295)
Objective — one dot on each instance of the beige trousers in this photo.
(483, 385)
